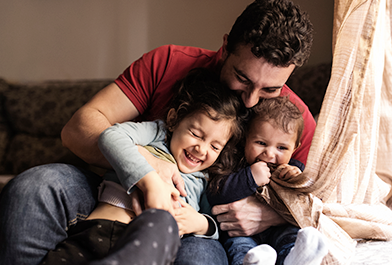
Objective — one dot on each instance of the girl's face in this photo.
(268, 143)
(198, 140)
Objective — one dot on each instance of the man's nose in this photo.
(250, 99)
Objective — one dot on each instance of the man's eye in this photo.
(271, 90)
(242, 80)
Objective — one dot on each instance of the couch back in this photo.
(32, 115)
(31, 118)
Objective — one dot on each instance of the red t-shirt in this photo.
(148, 82)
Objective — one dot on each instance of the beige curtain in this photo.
(349, 168)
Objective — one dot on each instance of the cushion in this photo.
(42, 109)
(310, 84)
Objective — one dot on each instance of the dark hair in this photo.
(202, 91)
(284, 113)
(277, 30)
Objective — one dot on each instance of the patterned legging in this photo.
(151, 238)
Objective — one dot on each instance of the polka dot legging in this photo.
(151, 238)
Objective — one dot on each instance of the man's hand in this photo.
(166, 170)
(246, 217)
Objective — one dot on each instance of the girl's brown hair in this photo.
(202, 91)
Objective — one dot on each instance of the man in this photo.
(268, 40)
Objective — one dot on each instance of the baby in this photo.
(272, 136)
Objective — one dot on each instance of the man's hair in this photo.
(277, 30)
(202, 91)
(282, 112)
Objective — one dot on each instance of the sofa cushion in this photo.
(26, 151)
(310, 84)
(4, 128)
(42, 109)
(33, 117)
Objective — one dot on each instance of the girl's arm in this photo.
(119, 146)
(190, 221)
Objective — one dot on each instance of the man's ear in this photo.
(171, 117)
(224, 47)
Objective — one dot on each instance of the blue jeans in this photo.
(38, 206)
(281, 238)
(200, 251)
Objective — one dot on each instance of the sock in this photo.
(262, 254)
(309, 249)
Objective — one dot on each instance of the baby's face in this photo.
(268, 143)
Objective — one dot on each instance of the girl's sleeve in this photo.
(119, 143)
(238, 185)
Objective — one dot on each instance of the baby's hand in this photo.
(261, 173)
(288, 172)
(189, 221)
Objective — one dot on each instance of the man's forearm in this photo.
(109, 106)
(80, 135)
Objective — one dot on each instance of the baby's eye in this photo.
(260, 143)
(282, 148)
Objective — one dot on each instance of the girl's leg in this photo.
(151, 238)
(87, 240)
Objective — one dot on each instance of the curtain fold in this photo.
(347, 181)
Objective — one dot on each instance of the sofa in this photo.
(33, 114)
(31, 118)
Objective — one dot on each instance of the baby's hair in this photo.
(202, 91)
(284, 113)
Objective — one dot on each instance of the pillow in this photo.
(42, 109)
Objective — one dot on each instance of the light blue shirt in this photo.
(119, 144)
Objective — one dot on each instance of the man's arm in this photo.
(81, 133)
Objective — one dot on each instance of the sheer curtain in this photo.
(349, 172)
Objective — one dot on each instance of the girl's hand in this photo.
(288, 172)
(189, 221)
(157, 193)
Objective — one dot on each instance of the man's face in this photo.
(253, 78)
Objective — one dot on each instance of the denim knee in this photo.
(200, 251)
(38, 205)
(237, 247)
